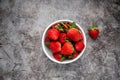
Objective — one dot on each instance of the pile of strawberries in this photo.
(65, 40)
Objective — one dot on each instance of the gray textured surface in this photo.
(22, 23)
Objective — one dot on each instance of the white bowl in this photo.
(49, 53)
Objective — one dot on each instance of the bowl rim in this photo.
(67, 61)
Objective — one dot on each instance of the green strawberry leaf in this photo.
(93, 27)
(59, 27)
(62, 59)
(70, 56)
(67, 39)
(73, 25)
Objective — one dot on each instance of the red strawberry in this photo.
(94, 32)
(62, 37)
(67, 48)
(75, 55)
(81, 36)
(74, 34)
(57, 56)
(79, 46)
(53, 34)
(55, 46)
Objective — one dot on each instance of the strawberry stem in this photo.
(94, 26)
(63, 24)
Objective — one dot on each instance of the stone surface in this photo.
(22, 23)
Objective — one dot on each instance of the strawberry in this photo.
(79, 46)
(81, 35)
(55, 46)
(62, 37)
(75, 55)
(53, 34)
(94, 32)
(58, 57)
(67, 48)
(74, 34)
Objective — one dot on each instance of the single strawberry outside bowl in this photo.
(49, 52)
